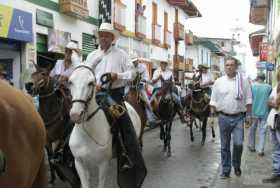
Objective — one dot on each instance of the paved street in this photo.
(193, 166)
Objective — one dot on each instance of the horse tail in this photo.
(41, 179)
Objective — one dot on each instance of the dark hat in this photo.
(261, 75)
(202, 66)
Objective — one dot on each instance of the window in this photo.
(88, 44)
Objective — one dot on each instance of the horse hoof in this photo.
(192, 139)
(203, 142)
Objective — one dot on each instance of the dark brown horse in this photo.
(22, 139)
(134, 98)
(54, 107)
(165, 108)
(197, 107)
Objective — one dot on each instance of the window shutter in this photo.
(88, 43)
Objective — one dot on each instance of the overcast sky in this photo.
(219, 17)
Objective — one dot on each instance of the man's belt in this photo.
(232, 115)
(114, 90)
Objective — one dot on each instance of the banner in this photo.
(57, 40)
(263, 51)
(15, 24)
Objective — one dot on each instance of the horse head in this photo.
(82, 85)
(42, 82)
(166, 87)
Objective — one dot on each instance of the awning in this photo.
(255, 39)
(187, 6)
(211, 46)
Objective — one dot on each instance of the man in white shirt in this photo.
(114, 62)
(275, 133)
(231, 98)
(162, 74)
(142, 69)
(205, 78)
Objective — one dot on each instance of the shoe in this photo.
(272, 179)
(261, 154)
(224, 176)
(237, 171)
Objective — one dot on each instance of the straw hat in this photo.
(72, 46)
(108, 28)
(133, 56)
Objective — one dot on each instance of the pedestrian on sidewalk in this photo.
(273, 121)
(260, 109)
(231, 98)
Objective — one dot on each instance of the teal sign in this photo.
(44, 18)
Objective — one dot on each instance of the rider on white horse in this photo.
(114, 62)
(143, 71)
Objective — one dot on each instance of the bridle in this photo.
(87, 101)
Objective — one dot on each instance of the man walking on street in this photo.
(273, 122)
(231, 98)
(260, 92)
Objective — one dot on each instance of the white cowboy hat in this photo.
(72, 46)
(109, 28)
(133, 56)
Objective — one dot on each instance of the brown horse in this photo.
(134, 98)
(197, 107)
(166, 109)
(54, 108)
(22, 139)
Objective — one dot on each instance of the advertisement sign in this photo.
(271, 54)
(263, 51)
(44, 18)
(261, 65)
(57, 40)
(269, 66)
(15, 24)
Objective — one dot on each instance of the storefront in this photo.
(16, 30)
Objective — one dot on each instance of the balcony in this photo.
(258, 15)
(189, 65)
(167, 39)
(189, 38)
(140, 29)
(179, 63)
(179, 33)
(119, 16)
(156, 34)
(75, 8)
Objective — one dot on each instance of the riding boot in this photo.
(2, 163)
(125, 160)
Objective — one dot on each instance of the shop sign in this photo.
(263, 51)
(44, 18)
(269, 66)
(15, 24)
(271, 54)
(57, 40)
(261, 65)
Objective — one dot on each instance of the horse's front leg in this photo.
(169, 125)
(50, 155)
(191, 129)
(102, 170)
(162, 131)
(204, 125)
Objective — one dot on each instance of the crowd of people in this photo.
(234, 100)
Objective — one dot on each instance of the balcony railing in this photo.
(119, 16)
(74, 8)
(189, 38)
(179, 33)
(141, 26)
(168, 39)
(179, 63)
(156, 35)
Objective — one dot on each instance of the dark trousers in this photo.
(134, 177)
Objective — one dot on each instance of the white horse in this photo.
(91, 140)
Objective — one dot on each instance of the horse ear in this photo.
(35, 65)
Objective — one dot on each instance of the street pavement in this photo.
(192, 165)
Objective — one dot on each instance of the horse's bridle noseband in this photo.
(86, 102)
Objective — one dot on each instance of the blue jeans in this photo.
(259, 122)
(275, 140)
(231, 126)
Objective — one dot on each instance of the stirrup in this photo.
(117, 110)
